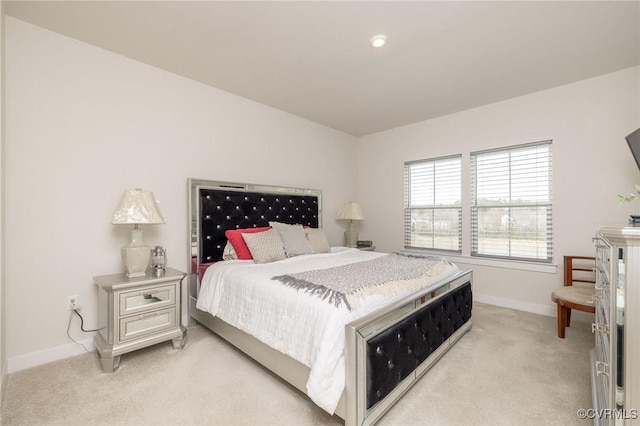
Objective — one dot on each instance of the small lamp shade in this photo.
(137, 207)
(352, 212)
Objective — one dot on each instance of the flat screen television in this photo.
(633, 139)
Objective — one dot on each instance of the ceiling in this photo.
(313, 58)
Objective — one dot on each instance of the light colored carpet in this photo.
(511, 368)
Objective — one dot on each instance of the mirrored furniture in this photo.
(134, 313)
(615, 360)
(374, 378)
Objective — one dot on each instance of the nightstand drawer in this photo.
(153, 322)
(132, 302)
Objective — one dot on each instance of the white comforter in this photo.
(306, 328)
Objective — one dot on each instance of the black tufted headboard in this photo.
(221, 209)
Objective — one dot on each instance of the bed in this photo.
(376, 349)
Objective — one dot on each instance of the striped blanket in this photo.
(386, 275)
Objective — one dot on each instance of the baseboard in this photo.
(518, 305)
(4, 373)
(45, 356)
(22, 362)
(533, 308)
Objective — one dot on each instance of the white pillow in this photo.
(317, 240)
(229, 252)
(293, 237)
(265, 246)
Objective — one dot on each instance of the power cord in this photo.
(82, 322)
(81, 328)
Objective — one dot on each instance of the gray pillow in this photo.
(293, 237)
(317, 240)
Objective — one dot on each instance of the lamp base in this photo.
(136, 255)
(351, 235)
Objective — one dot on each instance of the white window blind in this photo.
(432, 193)
(511, 197)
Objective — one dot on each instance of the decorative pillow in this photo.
(235, 238)
(317, 240)
(293, 237)
(229, 252)
(265, 246)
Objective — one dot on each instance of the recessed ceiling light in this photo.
(378, 41)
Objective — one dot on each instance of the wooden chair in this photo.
(577, 269)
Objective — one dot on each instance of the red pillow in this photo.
(235, 238)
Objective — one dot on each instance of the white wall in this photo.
(587, 122)
(3, 346)
(82, 125)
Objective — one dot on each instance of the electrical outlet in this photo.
(73, 303)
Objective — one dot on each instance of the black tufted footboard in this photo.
(395, 353)
(391, 350)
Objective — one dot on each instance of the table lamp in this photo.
(352, 212)
(137, 207)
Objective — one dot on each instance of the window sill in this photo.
(547, 268)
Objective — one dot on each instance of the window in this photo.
(432, 204)
(511, 203)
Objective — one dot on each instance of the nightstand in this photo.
(134, 313)
(367, 248)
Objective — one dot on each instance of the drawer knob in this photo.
(152, 314)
